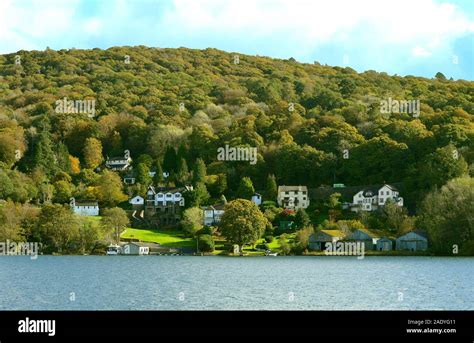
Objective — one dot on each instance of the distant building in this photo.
(85, 207)
(130, 178)
(318, 240)
(213, 214)
(293, 197)
(384, 244)
(369, 238)
(163, 205)
(135, 248)
(257, 199)
(416, 240)
(119, 163)
(137, 201)
(371, 198)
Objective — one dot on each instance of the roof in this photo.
(369, 233)
(334, 233)
(292, 188)
(166, 189)
(418, 232)
(86, 203)
(118, 158)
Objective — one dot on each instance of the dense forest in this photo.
(312, 124)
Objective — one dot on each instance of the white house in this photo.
(371, 198)
(135, 248)
(119, 163)
(85, 207)
(137, 201)
(163, 205)
(257, 199)
(293, 197)
(416, 240)
(213, 214)
(163, 196)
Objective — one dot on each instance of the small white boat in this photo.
(113, 249)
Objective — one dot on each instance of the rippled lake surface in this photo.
(227, 283)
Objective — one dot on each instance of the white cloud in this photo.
(418, 51)
(379, 33)
(93, 25)
(314, 22)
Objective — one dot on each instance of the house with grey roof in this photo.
(318, 240)
(416, 240)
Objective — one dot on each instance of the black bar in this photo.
(223, 324)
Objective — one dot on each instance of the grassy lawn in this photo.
(175, 239)
(169, 238)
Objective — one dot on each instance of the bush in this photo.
(207, 230)
(268, 239)
(467, 249)
(206, 243)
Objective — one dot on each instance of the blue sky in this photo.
(404, 37)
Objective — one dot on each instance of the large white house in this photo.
(85, 207)
(163, 205)
(293, 197)
(370, 199)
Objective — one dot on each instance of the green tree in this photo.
(92, 153)
(199, 171)
(6, 185)
(143, 174)
(43, 156)
(242, 222)
(88, 237)
(109, 189)
(302, 219)
(115, 221)
(62, 191)
(271, 189)
(182, 172)
(57, 228)
(245, 190)
(169, 160)
(446, 214)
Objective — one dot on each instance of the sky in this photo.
(403, 37)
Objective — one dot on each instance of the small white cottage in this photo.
(137, 201)
(135, 248)
(85, 207)
(257, 199)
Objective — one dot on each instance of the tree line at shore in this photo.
(173, 108)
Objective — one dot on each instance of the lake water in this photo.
(226, 283)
